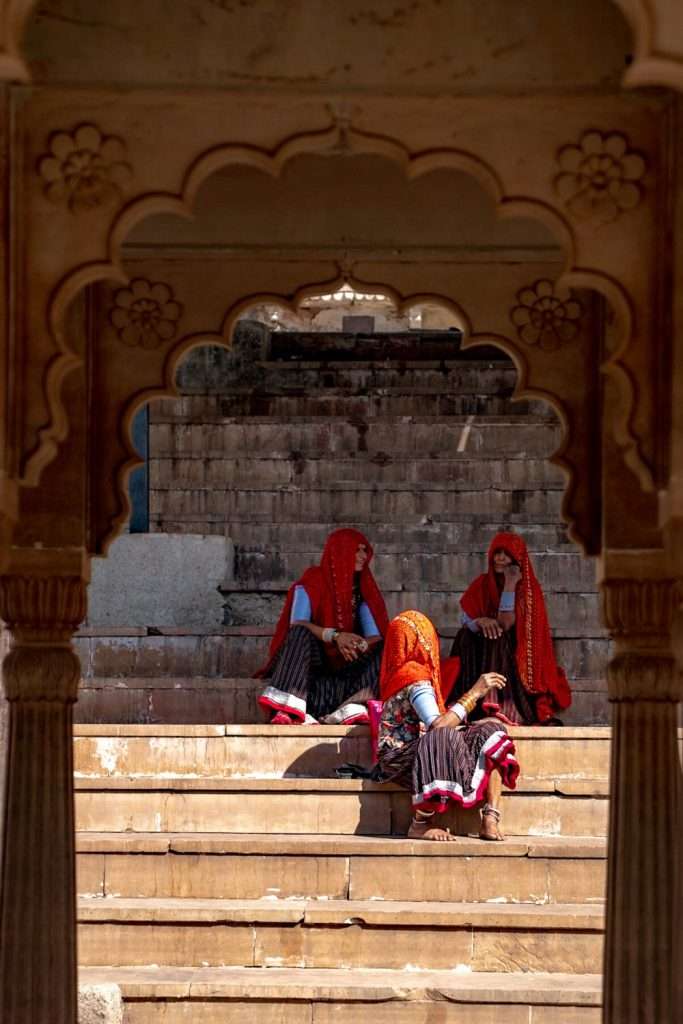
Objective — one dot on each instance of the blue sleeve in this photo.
(368, 625)
(423, 699)
(470, 623)
(301, 606)
(507, 601)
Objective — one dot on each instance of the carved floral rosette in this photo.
(146, 314)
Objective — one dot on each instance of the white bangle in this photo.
(329, 634)
(459, 710)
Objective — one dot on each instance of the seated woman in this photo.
(434, 751)
(325, 655)
(505, 630)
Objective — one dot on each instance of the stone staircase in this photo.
(429, 457)
(224, 874)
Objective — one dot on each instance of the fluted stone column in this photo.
(37, 913)
(644, 801)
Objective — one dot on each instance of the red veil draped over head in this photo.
(539, 672)
(330, 590)
(411, 654)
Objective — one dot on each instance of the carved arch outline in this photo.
(563, 457)
(337, 140)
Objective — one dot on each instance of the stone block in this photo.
(519, 950)
(573, 881)
(422, 1011)
(233, 1011)
(121, 943)
(206, 876)
(100, 1004)
(462, 879)
(354, 946)
(160, 580)
(90, 874)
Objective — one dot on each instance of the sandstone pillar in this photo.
(42, 600)
(639, 599)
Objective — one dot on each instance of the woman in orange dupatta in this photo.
(433, 750)
(505, 630)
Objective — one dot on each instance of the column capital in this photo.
(43, 601)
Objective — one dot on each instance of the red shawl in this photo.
(411, 654)
(330, 590)
(538, 670)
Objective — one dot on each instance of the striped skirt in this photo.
(302, 684)
(478, 655)
(451, 764)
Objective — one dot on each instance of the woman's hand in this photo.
(350, 645)
(491, 628)
(487, 681)
(446, 721)
(513, 575)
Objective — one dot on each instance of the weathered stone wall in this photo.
(157, 579)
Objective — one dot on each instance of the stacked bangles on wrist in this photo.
(469, 703)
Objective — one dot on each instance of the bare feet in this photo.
(423, 830)
(490, 825)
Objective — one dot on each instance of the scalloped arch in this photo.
(337, 140)
(292, 303)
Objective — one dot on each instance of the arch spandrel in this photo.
(519, 160)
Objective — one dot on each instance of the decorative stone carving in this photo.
(546, 316)
(145, 314)
(640, 607)
(41, 674)
(600, 178)
(84, 168)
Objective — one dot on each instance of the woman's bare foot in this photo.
(425, 830)
(490, 825)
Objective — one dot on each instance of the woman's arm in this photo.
(350, 645)
(458, 713)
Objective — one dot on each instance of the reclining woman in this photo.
(325, 655)
(435, 751)
(505, 630)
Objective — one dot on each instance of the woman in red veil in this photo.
(325, 656)
(505, 629)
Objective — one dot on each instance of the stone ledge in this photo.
(538, 733)
(576, 788)
(251, 844)
(369, 986)
(371, 913)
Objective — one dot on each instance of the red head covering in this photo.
(411, 653)
(330, 590)
(538, 670)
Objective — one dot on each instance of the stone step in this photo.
(200, 699)
(271, 751)
(562, 572)
(240, 650)
(348, 934)
(571, 614)
(447, 377)
(356, 403)
(258, 471)
(538, 807)
(350, 503)
(153, 995)
(231, 866)
(407, 437)
(465, 535)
